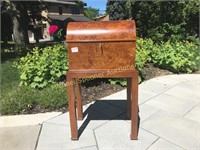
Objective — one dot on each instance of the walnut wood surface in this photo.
(104, 55)
(101, 31)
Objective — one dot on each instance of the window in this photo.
(75, 10)
(60, 10)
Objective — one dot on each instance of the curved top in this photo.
(101, 31)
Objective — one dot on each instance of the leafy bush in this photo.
(176, 57)
(43, 66)
(121, 81)
(143, 49)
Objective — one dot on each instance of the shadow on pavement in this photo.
(105, 110)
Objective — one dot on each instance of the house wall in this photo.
(66, 9)
(53, 9)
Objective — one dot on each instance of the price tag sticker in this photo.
(74, 49)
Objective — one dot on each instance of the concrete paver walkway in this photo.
(169, 119)
(21, 132)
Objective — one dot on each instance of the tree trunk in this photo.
(18, 15)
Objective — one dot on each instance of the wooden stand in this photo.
(132, 97)
(101, 50)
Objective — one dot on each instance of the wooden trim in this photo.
(102, 40)
(101, 73)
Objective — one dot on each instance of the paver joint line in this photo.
(152, 143)
(96, 140)
(159, 93)
(38, 137)
(190, 110)
(159, 137)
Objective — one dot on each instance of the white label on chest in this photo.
(74, 49)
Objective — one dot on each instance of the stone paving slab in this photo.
(162, 144)
(154, 86)
(59, 120)
(19, 138)
(110, 108)
(57, 137)
(169, 79)
(172, 104)
(95, 119)
(92, 121)
(185, 89)
(145, 96)
(174, 128)
(183, 77)
(190, 77)
(116, 135)
(145, 111)
(95, 114)
(121, 95)
(194, 114)
(88, 148)
(26, 120)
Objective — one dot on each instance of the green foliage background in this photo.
(159, 20)
(177, 57)
(43, 66)
(91, 12)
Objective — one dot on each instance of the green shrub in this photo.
(121, 81)
(176, 57)
(43, 66)
(143, 49)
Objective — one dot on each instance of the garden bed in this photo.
(43, 70)
(99, 88)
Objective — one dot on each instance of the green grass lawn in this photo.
(9, 76)
(16, 99)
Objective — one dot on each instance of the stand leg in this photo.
(128, 98)
(79, 101)
(134, 108)
(72, 109)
